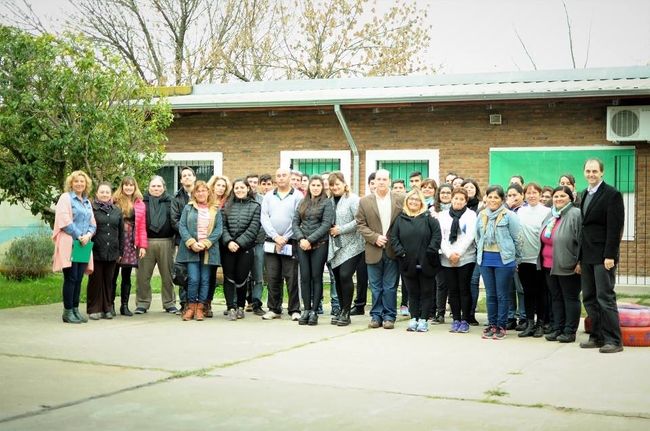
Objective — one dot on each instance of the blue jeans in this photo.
(334, 297)
(497, 282)
(516, 307)
(473, 288)
(198, 281)
(258, 274)
(381, 277)
(72, 277)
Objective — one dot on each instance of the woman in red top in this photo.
(129, 199)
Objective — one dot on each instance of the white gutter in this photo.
(356, 167)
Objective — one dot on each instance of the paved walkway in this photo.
(155, 372)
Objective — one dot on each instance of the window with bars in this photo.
(401, 169)
(171, 172)
(315, 166)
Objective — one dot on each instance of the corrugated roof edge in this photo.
(595, 74)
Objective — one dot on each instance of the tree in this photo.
(62, 109)
(185, 42)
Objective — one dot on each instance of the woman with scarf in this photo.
(108, 249)
(73, 221)
(415, 237)
(241, 224)
(129, 199)
(160, 251)
(498, 249)
(429, 188)
(531, 217)
(458, 259)
(200, 228)
(311, 224)
(559, 258)
(442, 203)
(473, 194)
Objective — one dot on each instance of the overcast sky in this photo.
(479, 35)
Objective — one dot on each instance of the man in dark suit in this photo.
(603, 217)
(374, 218)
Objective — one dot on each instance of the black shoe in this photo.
(472, 321)
(140, 310)
(80, 316)
(512, 324)
(357, 311)
(70, 317)
(335, 311)
(529, 331)
(172, 310)
(591, 344)
(566, 338)
(124, 310)
(539, 330)
(610, 348)
(258, 311)
(547, 328)
(553, 336)
(523, 324)
(335, 318)
(304, 318)
(313, 318)
(344, 318)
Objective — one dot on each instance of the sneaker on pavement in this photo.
(240, 313)
(388, 324)
(258, 311)
(404, 311)
(270, 315)
(423, 325)
(232, 314)
(295, 316)
(249, 308)
(455, 325)
(488, 332)
(463, 327)
(172, 310)
(413, 325)
(500, 334)
(374, 324)
(140, 310)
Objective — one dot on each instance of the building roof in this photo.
(530, 85)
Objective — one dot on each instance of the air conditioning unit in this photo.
(628, 123)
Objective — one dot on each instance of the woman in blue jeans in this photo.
(311, 224)
(498, 249)
(200, 228)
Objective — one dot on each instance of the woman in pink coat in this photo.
(128, 198)
(74, 220)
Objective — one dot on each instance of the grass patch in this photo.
(496, 393)
(515, 373)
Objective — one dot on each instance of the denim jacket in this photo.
(187, 227)
(508, 235)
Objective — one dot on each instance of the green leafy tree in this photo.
(61, 109)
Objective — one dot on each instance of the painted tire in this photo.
(588, 325)
(636, 336)
(633, 315)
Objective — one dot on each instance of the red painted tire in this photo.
(588, 325)
(636, 336)
(633, 315)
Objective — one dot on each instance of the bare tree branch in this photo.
(523, 45)
(568, 26)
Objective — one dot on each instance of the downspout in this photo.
(353, 147)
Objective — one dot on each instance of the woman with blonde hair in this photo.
(128, 198)
(415, 237)
(73, 221)
(220, 187)
(200, 228)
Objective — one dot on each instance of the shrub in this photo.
(28, 257)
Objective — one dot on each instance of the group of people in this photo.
(536, 249)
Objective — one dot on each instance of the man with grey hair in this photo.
(278, 209)
(375, 217)
(160, 236)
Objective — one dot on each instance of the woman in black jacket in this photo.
(241, 223)
(311, 223)
(416, 237)
(108, 249)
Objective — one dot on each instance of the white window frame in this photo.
(344, 156)
(215, 157)
(374, 156)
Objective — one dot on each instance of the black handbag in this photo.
(179, 274)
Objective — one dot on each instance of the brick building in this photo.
(538, 124)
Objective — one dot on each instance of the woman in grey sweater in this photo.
(559, 258)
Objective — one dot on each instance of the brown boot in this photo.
(189, 311)
(199, 312)
(208, 309)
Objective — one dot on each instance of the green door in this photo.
(401, 169)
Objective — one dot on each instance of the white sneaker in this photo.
(295, 316)
(270, 315)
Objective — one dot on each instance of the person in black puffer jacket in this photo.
(311, 223)
(241, 224)
(416, 238)
(108, 248)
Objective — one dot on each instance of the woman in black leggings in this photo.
(241, 223)
(311, 225)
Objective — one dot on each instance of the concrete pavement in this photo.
(153, 371)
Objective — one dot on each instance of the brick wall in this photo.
(252, 141)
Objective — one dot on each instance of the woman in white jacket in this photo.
(458, 227)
